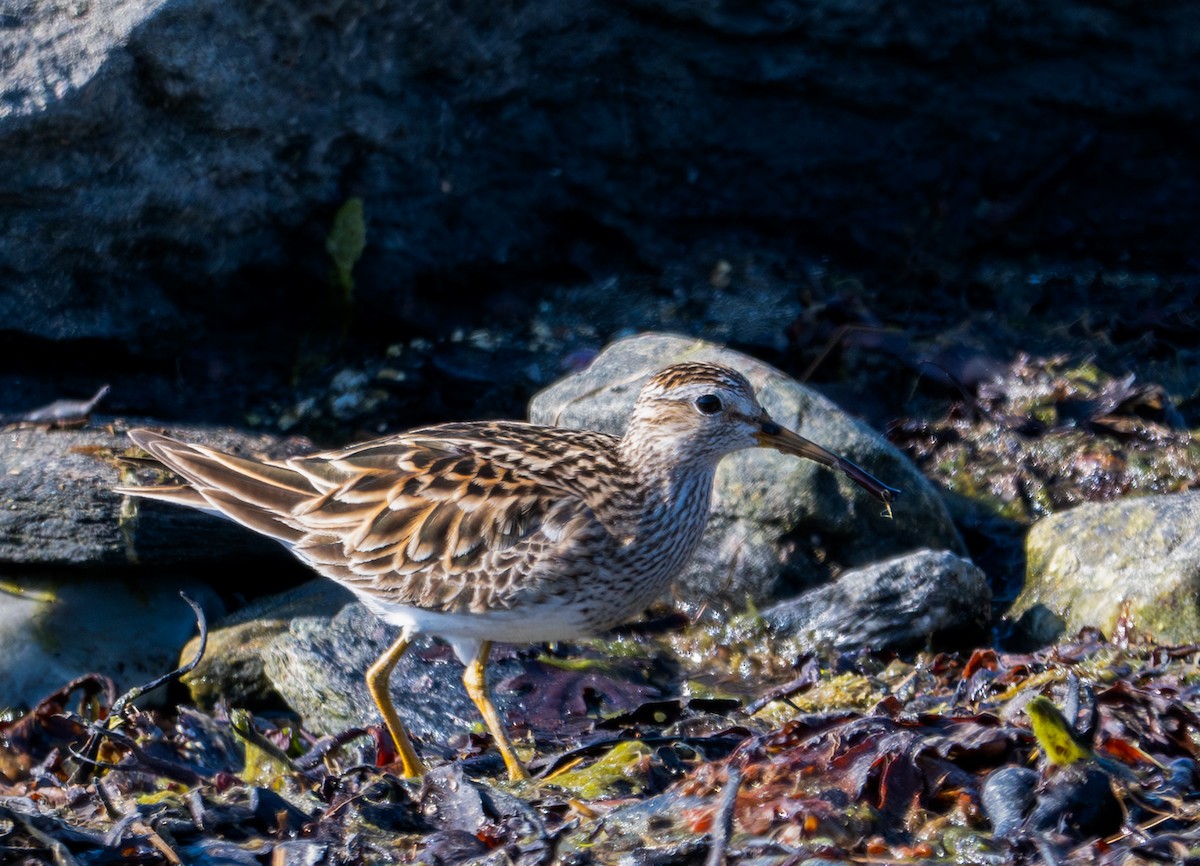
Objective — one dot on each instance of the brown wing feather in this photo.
(255, 494)
(450, 518)
(451, 530)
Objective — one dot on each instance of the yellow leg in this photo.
(475, 681)
(377, 684)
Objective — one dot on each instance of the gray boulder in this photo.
(779, 524)
(310, 647)
(1084, 566)
(899, 604)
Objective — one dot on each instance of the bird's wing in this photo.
(452, 518)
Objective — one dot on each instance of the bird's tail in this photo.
(259, 495)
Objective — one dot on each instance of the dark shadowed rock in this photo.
(900, 604)
(320, 663)
(60, 508)
(233, 667)
(779, 523)
(172, 170)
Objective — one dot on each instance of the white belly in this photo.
(467, 631)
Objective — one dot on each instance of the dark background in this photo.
(538, 178)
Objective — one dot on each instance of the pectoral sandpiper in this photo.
(499, 530)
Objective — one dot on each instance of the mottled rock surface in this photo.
(233, 669)
(900, 604)
(320, 662)
(779, 524)
(308, 650)
(60, 508)
(172, 170)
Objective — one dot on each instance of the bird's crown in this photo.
(692, 373)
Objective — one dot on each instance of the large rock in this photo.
(233, 669)
(779, 524)
(320, 662)
(1084, 566)
(309, 650)
(173, 169)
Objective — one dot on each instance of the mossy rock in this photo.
(1140, 556)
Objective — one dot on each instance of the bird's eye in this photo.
(708, 404)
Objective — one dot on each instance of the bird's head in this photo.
(701, 412)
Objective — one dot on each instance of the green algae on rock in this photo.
(1138, 558)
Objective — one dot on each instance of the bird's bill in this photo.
(780, 438)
